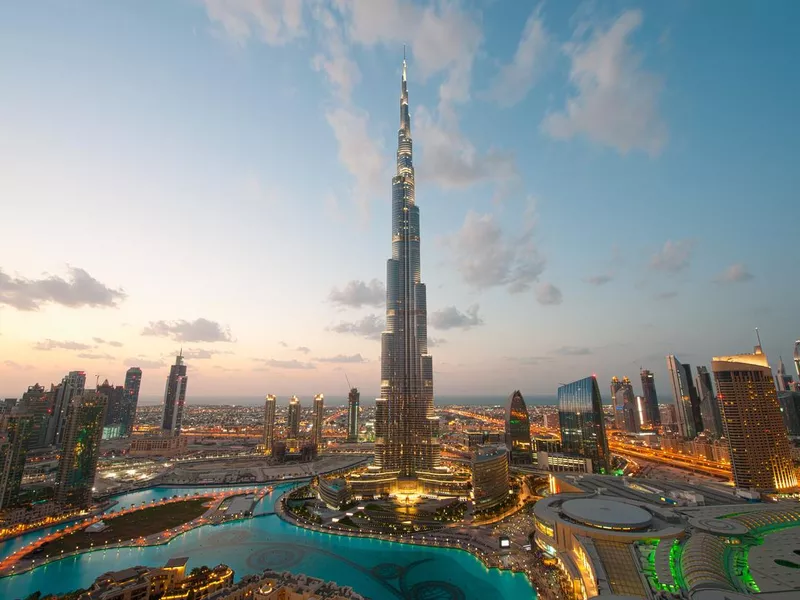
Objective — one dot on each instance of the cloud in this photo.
(284, 344)
(198, 354)
(357, 293)
(572, 351)
(599, 279)
(434, 342)
(303, 349)
(143, 363)
(665, 295)
(98, 340)
(515, 79)
(225, 369)
(199, 330)
(486, 257)
(736, 273)
(617, 100)
(548, 294)
(274, 22)
(15, 365)
(343, 358)
(452, 318)
(673, 257)
(285, 364)
(49, 344)
(369, 327)
(531, 360)
(95, 356)
(79, 289)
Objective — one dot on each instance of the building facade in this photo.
(174, 398)
(318, 423)
(650, 397)
(38, 403)
(13, 448)
(490, 482)
(580, 413)
(686, 401)
(293, 419)
(73, 384)
(709, 406)
(790, 411)
(621, 392)
(269, 423)
(752, 422)
(352, 415)
(115, 410)
(133, 381)
(518, 429)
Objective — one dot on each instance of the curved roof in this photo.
(606, 514)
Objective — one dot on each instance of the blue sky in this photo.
(600, 184)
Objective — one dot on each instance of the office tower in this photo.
(410, 445)
(269, 423)
(624, 397)
(630, 413)
(642, 411)
(13, 442)
(518, 429)
(174, 398)
(318, 422)
(74, 383)
(133, 380)
(616, 410)
(797, 358)
(293, 419)
(580, 415)
(752, 422)
(381, 418)
(650, 397)
(352, 415)
(686, 401)
(80, 449)
(38, 404)
(709, 406)
(490, 483)
(115, 410)
(790, 411)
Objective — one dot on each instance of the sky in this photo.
(600, 184)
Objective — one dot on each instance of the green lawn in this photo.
(141, 523)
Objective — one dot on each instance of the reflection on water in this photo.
(374, 568)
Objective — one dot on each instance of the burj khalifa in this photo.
(406, 431)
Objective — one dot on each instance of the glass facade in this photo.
(133, 380)
(709, 407)
(293, 419)
(269, 423)
(518, 429)
(690, 421)
(650, 397)
(580, 415)
(319, 417)
(175, 397)
(12, 457)
(352, 415)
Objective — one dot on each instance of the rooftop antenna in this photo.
(404, 51)
(758, 337)
(347, 379)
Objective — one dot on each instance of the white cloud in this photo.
(274, 22)
(199, 330)
(548, 294)
(343, 358)
(617, 100)
(303, 349)
(143, 363)
(95, 356)
(515, 79)
(285, 364)
(369, 327)
(598, 280)
(49, 344)
(79, 289)
(736, 273)
(452, 318)
(17, 366)
(358, 293)
(674, 256)
(98, 340)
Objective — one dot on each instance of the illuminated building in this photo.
(650, 397)
(318, 421)
(200, 584)
(686, 401)
(580, 414)
(269, 423)
(518, 429)
(12, 456)
(37, 403)
(642, 411)
(80, 449)
(709, 407)
(490, 482)
(115, 410)
(752, 422)
(797, 358)
(352, 415)
(133, 380)
(174, 397)
(621, 392)
(630, 413)
(158, 446)
(293, 419)
(790, 411)
(336, 493)
(73, 384)
(381, 417)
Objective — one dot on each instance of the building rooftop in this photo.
(606, 514)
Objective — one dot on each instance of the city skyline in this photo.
(217, 125)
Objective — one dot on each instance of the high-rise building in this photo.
(410, 445)
(38, 404)
(623, 397)
(616, 410)
(580, 414)
(650, 397)
(352, 415)
(631, 415)
(790, 411)
(133, 381)
(490, 483)
(269, 423)
(709, 406)
(686, 401)
(319, 421)
(381, 418)
(293, 419)
(174, 398)
(752, 422)
(642, 411)
(115, 410)
(797, 358)
(13, 442)
(74, 383)
(518, 429)
(80, 449)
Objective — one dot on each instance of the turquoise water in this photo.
(376, 569)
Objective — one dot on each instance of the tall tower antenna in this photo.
(758, 337)
(347, 379)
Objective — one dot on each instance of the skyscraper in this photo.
(74, 383)
(318, 423)
(686, 401)
(133, 380)
(709, 407)
(37, 403)
(269, 423)
(174, 398)
(293, 419)
(616, 409)
(797, 358)
(650, 397)
(80, 449)
(623, 396)
(381, 418)
(752, 422)
(115, 410)
(12, 456)
(630, 413)
(518, 429)
(580, 415)
(352, 415)
(410, 445)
